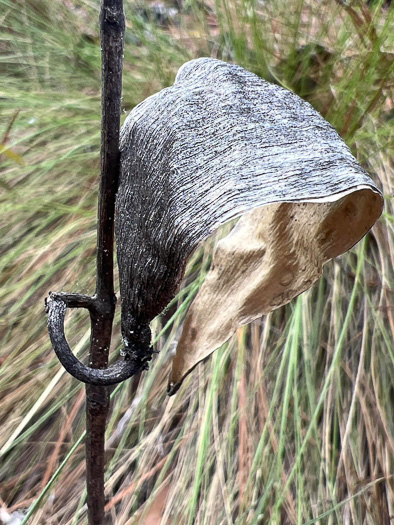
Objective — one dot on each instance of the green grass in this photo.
(291, 422)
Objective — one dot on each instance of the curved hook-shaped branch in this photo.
(56, 306)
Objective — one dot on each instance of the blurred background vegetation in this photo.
(292, 421)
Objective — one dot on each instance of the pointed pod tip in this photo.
(172, 388)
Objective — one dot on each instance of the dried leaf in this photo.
(217, 144)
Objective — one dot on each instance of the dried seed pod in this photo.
(217, 144)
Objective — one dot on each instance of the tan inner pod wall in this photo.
(273, 254)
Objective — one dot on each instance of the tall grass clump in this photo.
(291, 422)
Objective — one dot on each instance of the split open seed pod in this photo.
(222, 143)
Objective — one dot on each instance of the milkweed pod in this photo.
(222, 143)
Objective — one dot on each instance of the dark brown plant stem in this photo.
(101, 305)
(112, 27)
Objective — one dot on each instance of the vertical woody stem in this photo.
(112, 26)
